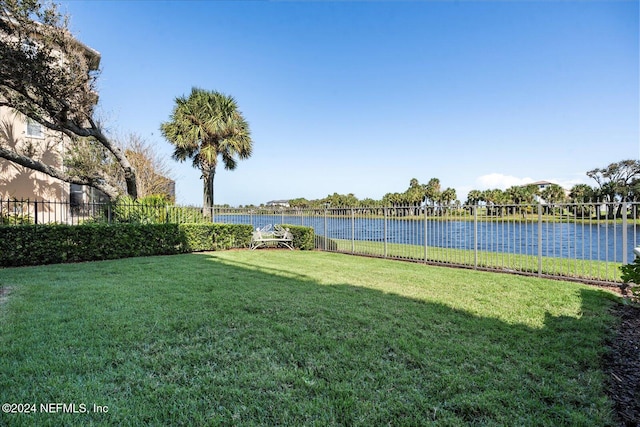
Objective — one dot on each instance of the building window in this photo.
(34, 129)
(76, 195)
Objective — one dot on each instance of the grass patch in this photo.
(300, 338)
(564, 267)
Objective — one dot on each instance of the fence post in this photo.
(384, 237)
(539, 239)
(625, 230)
(353, 232)
(35, 211)
(475, 236)
(326, 232)
(425, 234)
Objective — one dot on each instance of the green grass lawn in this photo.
(563, 267)
(300, 338)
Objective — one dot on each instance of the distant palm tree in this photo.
(474, 197)
(495, 199)
(582, 193)
(583, 196)
(553, 195)
(432, 195)
(414, 196)
(203, 127)
(448, 196)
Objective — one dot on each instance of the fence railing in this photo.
(574, 241)
(16, 212)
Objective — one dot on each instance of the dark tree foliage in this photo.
(49, 76)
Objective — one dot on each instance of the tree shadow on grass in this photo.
(240, 345)
(426, 361)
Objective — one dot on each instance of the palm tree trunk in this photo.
(207, 176)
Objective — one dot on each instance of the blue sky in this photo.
(360, 97)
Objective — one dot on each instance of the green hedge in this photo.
(211, 237)
(47, 244)
(302, 237)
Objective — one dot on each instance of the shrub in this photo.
(631, 277)
(211, 237)
(15, 212)
(148, 210)
(302, 236)
(227, 236)
(15, 219)
(186, 215)
(196, 237)
(631, 272)
(47, 244)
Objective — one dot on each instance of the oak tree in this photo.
(48, 76)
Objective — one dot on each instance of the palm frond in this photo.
(207, 125)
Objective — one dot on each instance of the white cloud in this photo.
(498, 180)
(569, 183)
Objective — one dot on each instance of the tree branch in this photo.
(48, 76)
(30, 163)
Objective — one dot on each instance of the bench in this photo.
(264, 237)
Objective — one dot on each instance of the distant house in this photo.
(280, 203)
(542, 185)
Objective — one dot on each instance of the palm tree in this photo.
(582, 193)
(203, 127)
(446, 199)
(432, 194)
(583, 196)
(519, 196)
(414, 196)
(474, 197)
(495, 199)
(553, 195)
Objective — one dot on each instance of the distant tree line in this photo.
(413, 199)
(615, 183)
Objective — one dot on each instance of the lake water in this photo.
(600, 241)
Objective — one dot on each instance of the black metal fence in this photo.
(16, 212)
(575, 241)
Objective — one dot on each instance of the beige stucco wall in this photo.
(19, 182)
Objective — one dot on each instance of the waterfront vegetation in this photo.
(463, 214)
(300, 338)
(154, 210)
(482, 214)
(569, 245)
